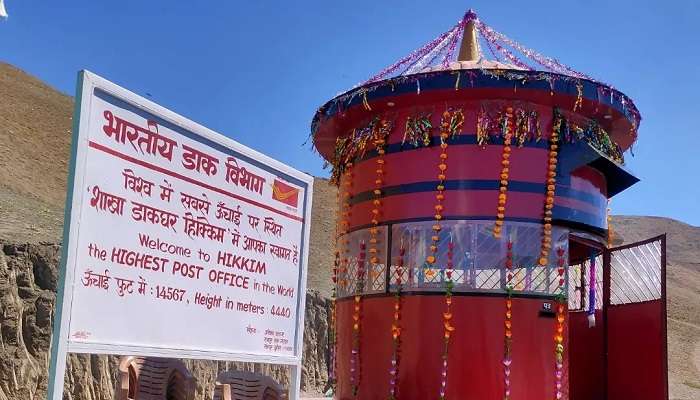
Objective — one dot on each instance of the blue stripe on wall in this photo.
(477, 184)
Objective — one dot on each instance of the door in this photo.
(634, 315)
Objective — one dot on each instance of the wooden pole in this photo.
(469, 49)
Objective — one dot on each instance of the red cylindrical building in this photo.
(466, 189)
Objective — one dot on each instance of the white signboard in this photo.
(180, 242)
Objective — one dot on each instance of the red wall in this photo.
(587, 357)
(636, 356)
(581, 196)
(476, 348)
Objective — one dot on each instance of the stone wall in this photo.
(28, 280)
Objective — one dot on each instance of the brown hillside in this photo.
(35, 122)
(34, 144)
(683, 287)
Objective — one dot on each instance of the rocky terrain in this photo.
(683, 295)
(28, 277)
(35, 123)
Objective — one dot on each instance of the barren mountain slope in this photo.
(35, 122)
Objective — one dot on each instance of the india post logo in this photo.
(284, 193)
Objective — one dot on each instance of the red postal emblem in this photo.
(285, 193)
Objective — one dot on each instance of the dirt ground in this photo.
(683, 287)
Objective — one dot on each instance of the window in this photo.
(478, 259)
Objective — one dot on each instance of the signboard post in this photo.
(178, 241)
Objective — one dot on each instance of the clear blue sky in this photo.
(257, 70)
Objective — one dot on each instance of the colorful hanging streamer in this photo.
(561, 308)
(396, 326)
(449, 329)
(508, 323)
(355, 358)
(418, 130)
(591, 292)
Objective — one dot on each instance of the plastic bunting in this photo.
(418, 130)
(353, 146)
(396, 326)
(339, 269)
(450, 125)
(380, 133)
(561, 309)
(449, 329)
(440, 52)
(508, 323)
(355, 359)
(591, 291)
(344, 264)
(495, 120)
(345, 225)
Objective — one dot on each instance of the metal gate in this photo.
(634, 317)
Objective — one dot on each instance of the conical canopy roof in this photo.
(474, 35)
(472, 61)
